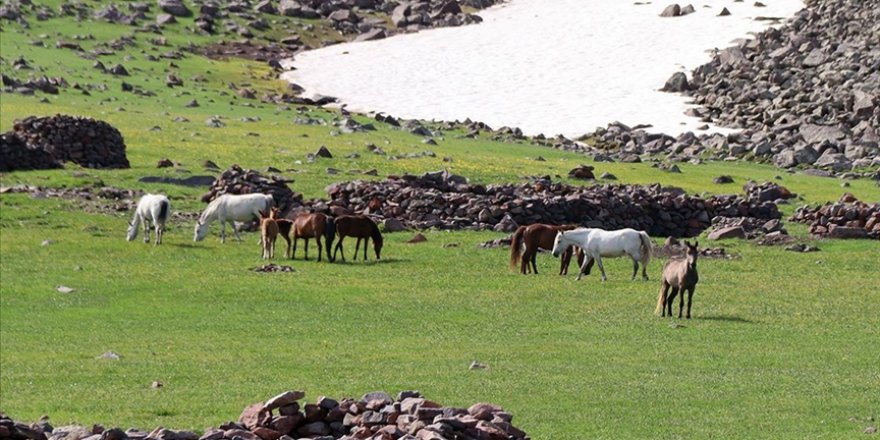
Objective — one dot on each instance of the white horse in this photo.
(231, 208)
(152, 209)
(598, 243)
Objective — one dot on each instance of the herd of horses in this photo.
(588, 245)
(153, 212)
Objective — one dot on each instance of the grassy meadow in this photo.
(782, 344)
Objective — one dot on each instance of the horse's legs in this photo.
(564, 261)
(357, 246)
(671, 298)
(339, 248)
(295, 239)
(320, 248)
(645, 268)
(235, 230)
(635, 268)
(287, 249)
(534, 259)
(524, 262)
(585, 267)
(366, 245)
(681, 302)
(307, 247)
(664, 297)
(601, 267)
(690, 297)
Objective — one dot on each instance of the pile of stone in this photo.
(807, 93)
(44, 84)
(846, 218)
(49, 140)
(744, 227)
(16, 155)
(376, 415)
(237, 180)
(447, 201)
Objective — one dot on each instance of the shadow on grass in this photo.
(370, 262)
(725, 318)
(187, 245)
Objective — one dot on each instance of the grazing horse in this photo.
(536, 236)
(680, 275)
(315, 225)
(152, 209)
(268, 233)
(361, 227)
(598, 243)
(231, 208)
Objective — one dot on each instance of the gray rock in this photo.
(676, 83)
(673, 10)
(175, 7)
(728, 232)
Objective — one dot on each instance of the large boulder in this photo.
(728, 232)
(676, 83)
(175, 7)
(673, 10)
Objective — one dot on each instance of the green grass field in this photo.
(782, 345)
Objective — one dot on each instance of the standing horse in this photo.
(315, 226)
(361, 227)
(598, 243)
(680, 275)
(268, 233)
(533, 237)
(152, 209)
(231, 208)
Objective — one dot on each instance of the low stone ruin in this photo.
(375, 416)
(16, 155)
(446, 201)
(846, 218)
(45, 142)
(237, 180)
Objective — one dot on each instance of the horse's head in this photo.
(132, 231)
(558, 244)
(377, 246)
(692, 252)
(200, 231)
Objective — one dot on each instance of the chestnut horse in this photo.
(538, 236)
(268, 233)
(361, 227)
(315, 225)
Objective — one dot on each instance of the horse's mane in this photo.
(211, 208)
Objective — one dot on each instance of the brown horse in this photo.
(539, 236)
(268, 233)
(361, 227)
(315, 225)
(680, 275)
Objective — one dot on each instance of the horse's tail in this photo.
(329, 235)
(515, 245)
(645, 248)
(661, 299)
(164, 212)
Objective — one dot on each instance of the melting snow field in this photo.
(546, 66)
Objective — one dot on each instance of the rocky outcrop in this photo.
(846, 218)
(446, 201)
(806, 93)
(376, 415)
(43, 142)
